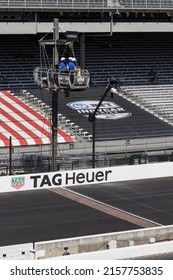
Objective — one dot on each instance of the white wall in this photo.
(123, 253)
(85, 176)
(34, 27)
(116, 240)
(17, 252)
(51, 249)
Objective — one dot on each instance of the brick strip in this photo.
(115, 212)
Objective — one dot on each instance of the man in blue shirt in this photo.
(70, 64)
(62, 65)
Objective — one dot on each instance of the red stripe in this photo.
(22, 141)
(66, 137)
(5, 140)
(23, 116)
(22, 127)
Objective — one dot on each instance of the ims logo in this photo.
(17, 182)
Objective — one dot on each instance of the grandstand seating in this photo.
(139, 124)
(157, 99)
(131, 56)
(18, 57)
(128, 55)
(26, 125)
(89, 4)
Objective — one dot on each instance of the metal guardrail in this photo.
(112, 153)
(89, 4)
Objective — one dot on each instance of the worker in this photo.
(62, 64)
(71, 66)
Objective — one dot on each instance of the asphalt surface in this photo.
(149, 198)
(41, 215)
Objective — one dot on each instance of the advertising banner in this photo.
(81, 177)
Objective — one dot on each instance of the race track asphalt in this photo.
(41, 215)
(149, 198)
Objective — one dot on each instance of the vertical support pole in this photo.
(10, 155)
(56, 37)
(93, 142)
(92, 118)
(82, 51)
(54, 129)
(55, 100)
(36, 24)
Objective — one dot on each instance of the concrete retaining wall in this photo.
(102, 242)
(99, 27)
(124, 253)
(122, 245)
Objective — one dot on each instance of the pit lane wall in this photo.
(84, 177)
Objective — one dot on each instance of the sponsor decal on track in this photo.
(108, 110)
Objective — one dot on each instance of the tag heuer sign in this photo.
(18, 182)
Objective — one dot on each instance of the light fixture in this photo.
(117, 12)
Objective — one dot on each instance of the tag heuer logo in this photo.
(18, 182)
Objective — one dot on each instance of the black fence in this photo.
(36, 163)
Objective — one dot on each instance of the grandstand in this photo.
(126, 55)
(26, 125)
(130, 56)
(120, 39)
(18, 55)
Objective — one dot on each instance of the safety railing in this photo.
(89, 4)
(108, 153)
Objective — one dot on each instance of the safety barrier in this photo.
(17, 252)
(136, 252)
(117, 245)
(84, 176)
